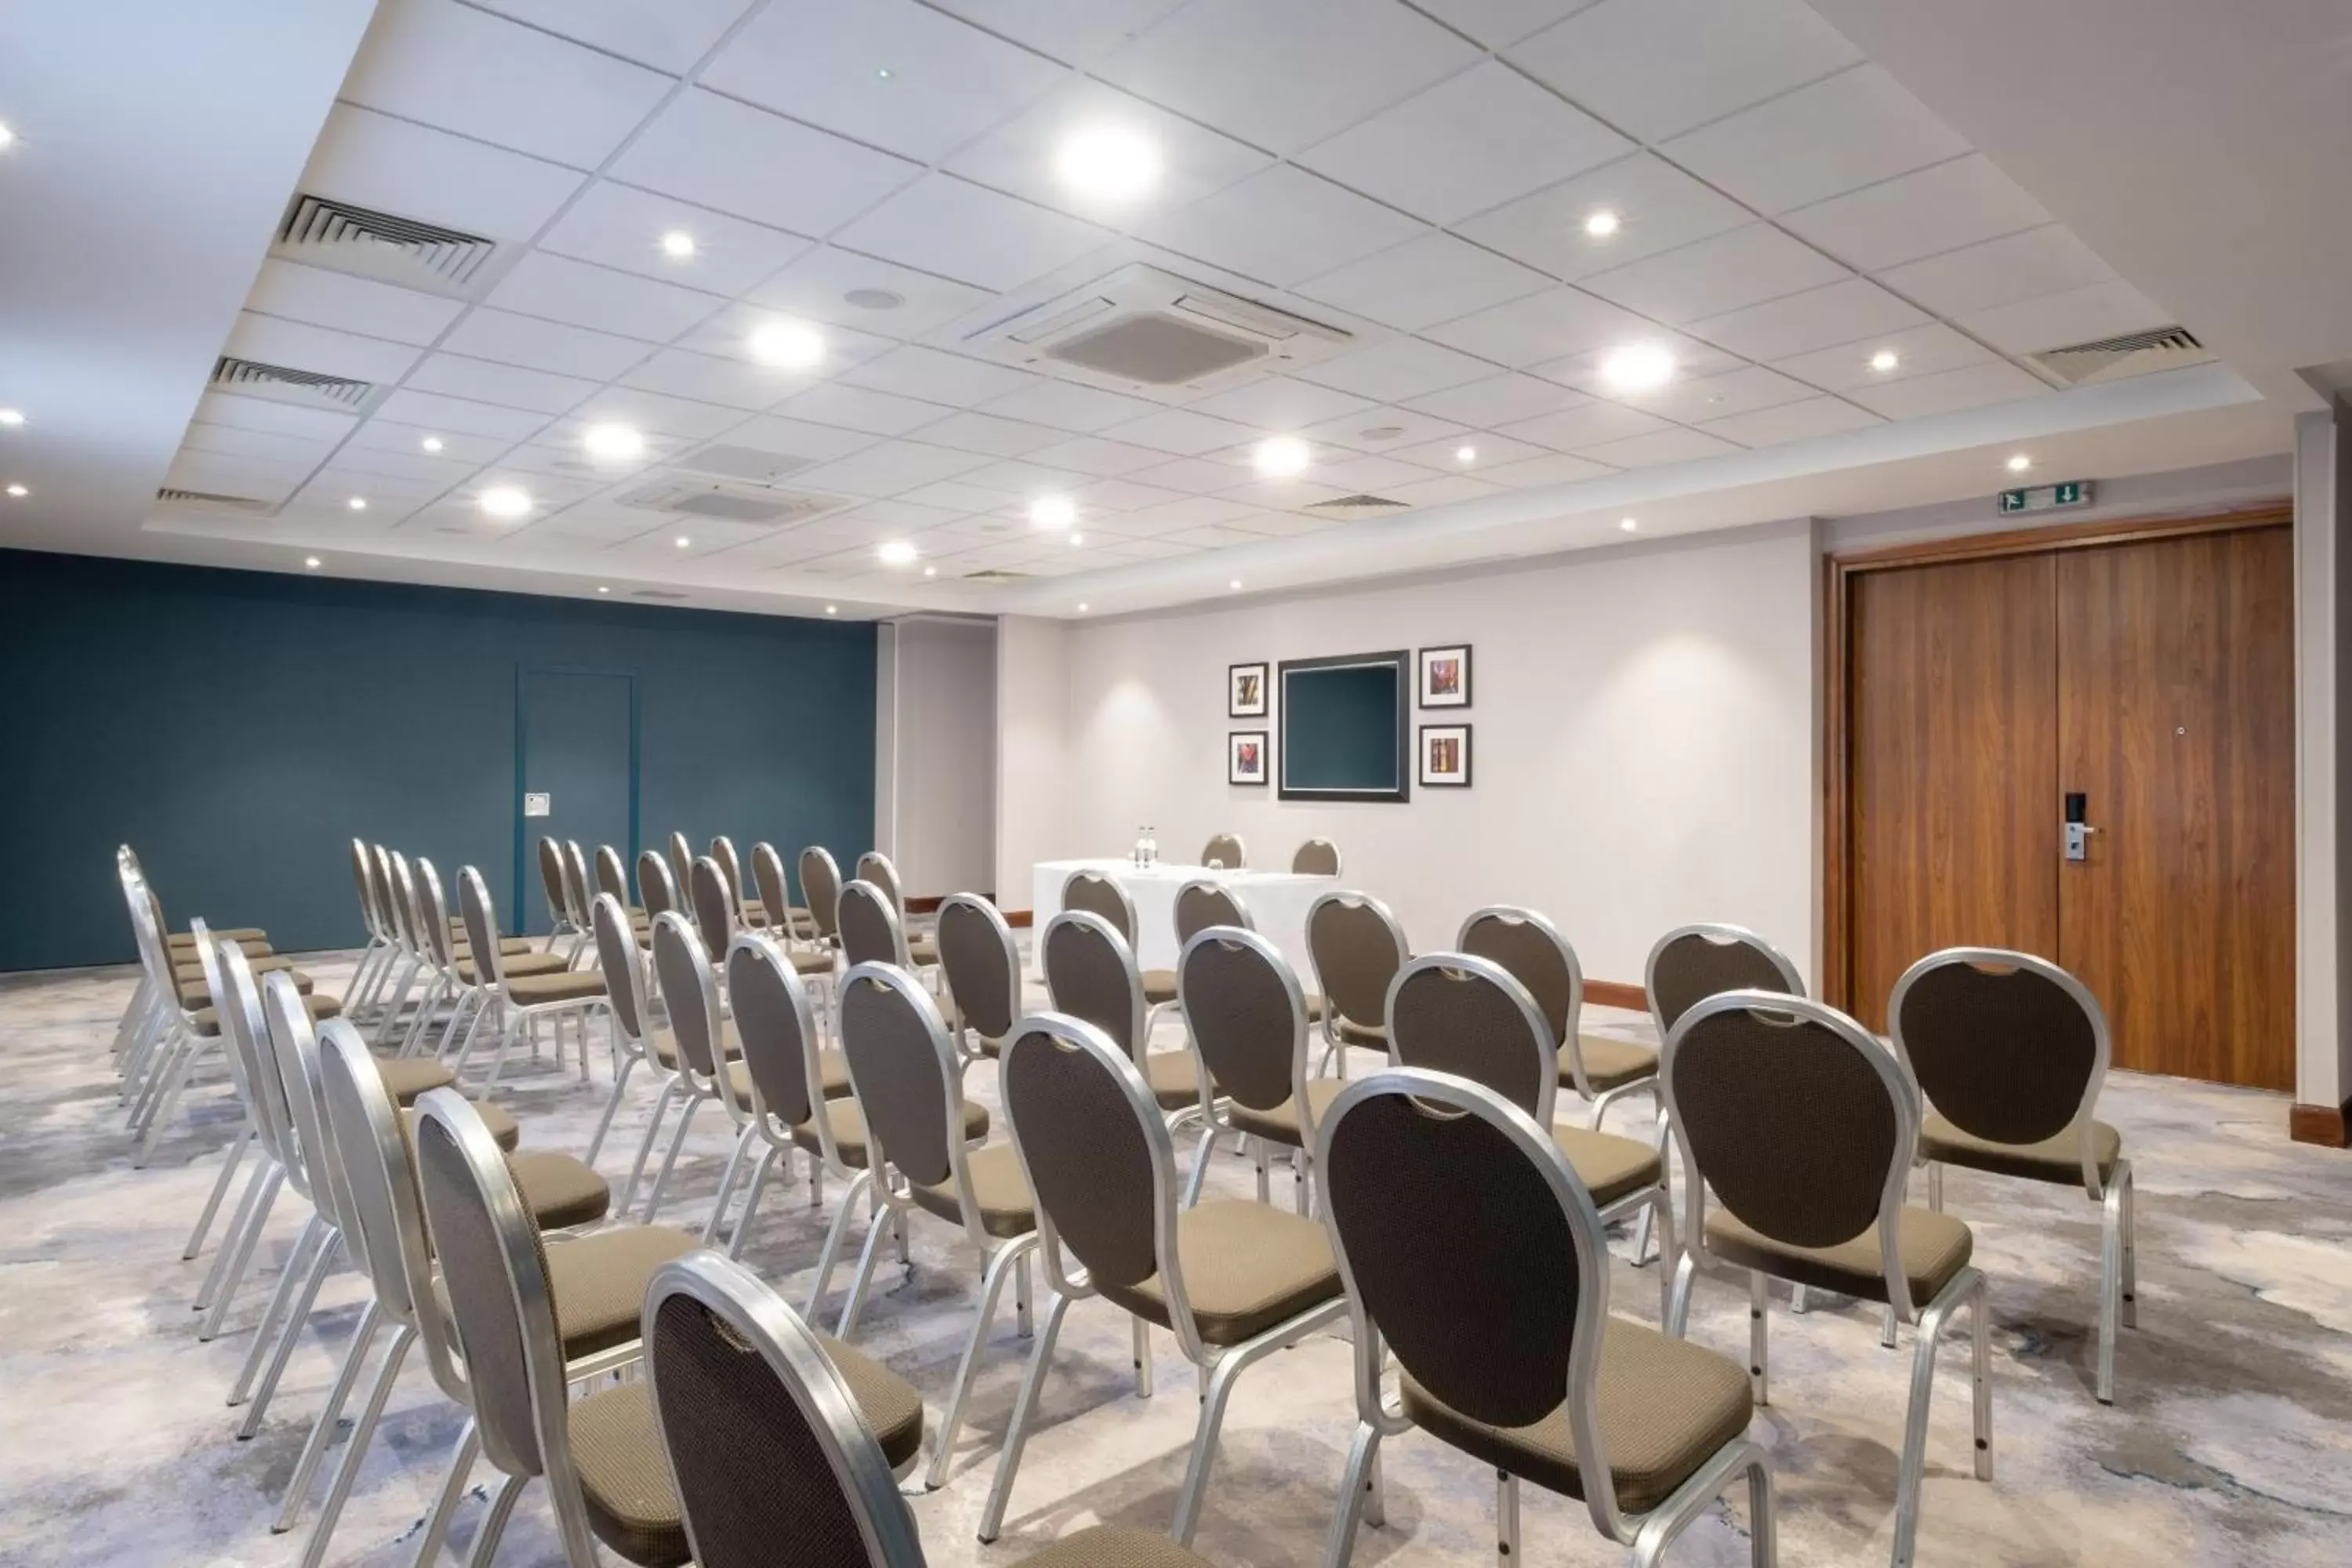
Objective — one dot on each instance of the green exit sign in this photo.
(2047, 498)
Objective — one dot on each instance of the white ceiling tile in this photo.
(1792, 421)
(705, 536)
(483, 76)
(1280, 225)
(714, 378)
(1098, 455)
(394, 166)
(1022, 481)
(1470, 142)
(561, 289)
(1385, 429)
(553, 346)
(1397, 369)
(1265, 73)
(798, 438)
(1278, 403)
(986, 433)
(1692, 359)
(1501, 400)
(1443, 490)
(1713, 276)
(1182, 431)
(431, 411)
(1288, 524)
(485, 381)
(1192, 511)
(1687, 400)
(329, 495)
(856, 408)
(717, 153)
(325, 299)
(1541, 327)
(903, 515)
(1921, 351)
(269, 444)
(1921, 214)
(373, 475)
(889, 73)
(619, 226)
(1835, 136)
(1189, 476)
(1066, 406)
(299, 346)
(1126, 496)
(1660, 448)
(2077, 316)
(1925, 394)
(567, 461)
(729, 335)
(651, 411)
(956, 229)
(1498, 23)
(264, 414)
(1076, 31)
(456, 446)
(913, 371)
(1659, 66)
(1492, 451)
(817, 287)
(1817, 318)
(1216, 536)
(890, 468)
(1436, 277)
(1020, 156)
(1587, 424)
(1371, 473)
(957, 495)
(1541, 473)
(1657, 207)
(220, 473)
(668, 36)
(2041, 261)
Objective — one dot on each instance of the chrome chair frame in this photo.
(269, 1134)
(1335, 1049)
(1125, 927)
(761, 1122)
(628, 1026)
(1141, 1014)
(698, 1083)
(959, 1024)
(514, 1018)
(1572, 1044)
(1301, 1157)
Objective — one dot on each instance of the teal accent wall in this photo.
(238, 729)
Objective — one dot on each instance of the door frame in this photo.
(1839, 570)
(517, 898)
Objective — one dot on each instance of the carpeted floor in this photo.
(2231, 1441)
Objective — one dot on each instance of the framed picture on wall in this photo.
(1445, 675)
(1245, 757)
(1445, 756)
(1245, 694)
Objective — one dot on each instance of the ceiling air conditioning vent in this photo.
(285, 384)
(994, 575)
(688, 497)
(746, 463)
(1143, 330)
(324, 232)
(1358, 505)
(2115, 359)
(205, 500)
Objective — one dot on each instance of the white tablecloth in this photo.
(1276, 900)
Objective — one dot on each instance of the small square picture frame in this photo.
(1444, 753)
(1245, 758)
(1441, 676)
(1246, 691)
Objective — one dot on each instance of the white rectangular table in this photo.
(1276, 900)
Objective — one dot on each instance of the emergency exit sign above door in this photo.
(2047, 498)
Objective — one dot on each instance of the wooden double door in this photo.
(2153, 679)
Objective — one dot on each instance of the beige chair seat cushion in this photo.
(1609, 1166)
(405, 1077)
(922, 950)
(206, 1021)
(848, 1123)
(599, 1280)
(2057, 1159)
(250, 938)
(1174, 1081)
(188, 970)
(805, 963)
(1247, 1266)
(561, 1190)
(1354, 1034)
(832, 1076)
(624, 1476)
(515, 966)
(571, 985)
(504, 1129)
(1006, 1207)
(1933, 1246)
(508, 947)
(755, 911)
(1316, 1005)
(1609, 1063)
(190, 978)
(664, 1045)
(1666, 1406)
(1158, 986)
(1114, 1546)
(1281, 1123)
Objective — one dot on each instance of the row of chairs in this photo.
(1316, 858)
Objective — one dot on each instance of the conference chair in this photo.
(576, 899)
(2010, 1052)
(981, 964)
(1602, 1071)
(749, 911)
(871, 930)
(450, 958)
(1204, 902)
(376, 953)
(878, 868)
(147, 1035)
(697, 1033)
(144, 1015)
(519, 1002)
(774, 1435)
(613, 876)
(1316, 858)
(710, 900)
(1233, 1280)
(821, 890)
(1804, 1126)
(1247, 1021)
(681, 856)
(1224, 852)
(560, 926)
(1090, 974)
(657, 887)
(1357, 947)
(1100, 895)
(1475, 1256)
(630, 1028)
(924, 1145)
(775, 895)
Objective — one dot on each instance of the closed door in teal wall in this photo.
(575, 745)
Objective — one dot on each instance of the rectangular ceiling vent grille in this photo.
(690, 497)
(285, 385)
(994, 575)
(324, 232)
(205, 500)
(1144, 329)
(1358, 505)
(2115, 359)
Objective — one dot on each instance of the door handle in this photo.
(2078, 831)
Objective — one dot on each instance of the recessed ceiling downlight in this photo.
(1053, 511)
(789, 345)
(1885, 360)
(313, 563)
(1601, 222)
(431, 443)
(1108, 163)
(506, 503)
(8, 137)
(1637, 367)
(2020, 463)
(677, 245)
(12, 418)
(895, 552)
(613, 443)
(357, 503)
(1280, 457)
(18, 492)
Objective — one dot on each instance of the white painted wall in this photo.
(935, 777)
(1033, 752)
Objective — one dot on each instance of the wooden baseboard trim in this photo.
(1023, 918)
(1616, 993)
(924, 906)
(2321, 1124)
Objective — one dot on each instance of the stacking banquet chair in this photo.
(784, 917)
(513, 1311)
(144, 1015)
(1357, 947)
(1203, 903)
(657, 887)
(710, 900)
(517, 1002)
(698, 1049)
(1471, 1251)
(448, 957)
(821, 890)
(1804, 1126)
(1233, 1280)
(681, 856)
(871, 931)
(749, 911)
(1316, 858)
(1454, 1012)
(1102, 896)
(1247, 1021)
(878, 868)
(628, 1000)
(1599, 1069)
(562, 935)
(981, 966)
(2010, 1052)
(613, 878)
(383, 944)
(773, 1439)
(1090, 974)
(923, 1144)
(577, 898)
(1224, 852)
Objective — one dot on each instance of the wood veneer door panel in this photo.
(1952, 726)
(2176, 720)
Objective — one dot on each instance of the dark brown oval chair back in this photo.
(681, 856)
(1225, 850)
(1452, 1012)
(550, 877)
(868, 926)
(1202, 904)
(1090, 975)
(821, 886)
(773, 1024)
(1357, 951)
(481, 925)
(682, 967)
(982, 965)
(432, 916)
(768, 877)
(1696, 962)
(1316, 858)
(656, 886)
(714, 904)
(1526, 946)
(1088, 1153)
(611, 874)
(875, 868)
(575, 883)
(892, 1038)
(722, 850)
(1100, 895)
(623, 961)
(1243, 1012)
(2008, 1046)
